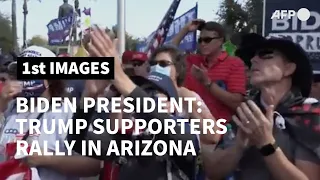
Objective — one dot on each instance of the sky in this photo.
(142, 16)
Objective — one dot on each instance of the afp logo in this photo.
(302, 14)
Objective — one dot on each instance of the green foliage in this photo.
(229, 47)
(38, 41)
(241, 17)
(131, 42)
(232, 15)
(254, 9)
(6, 43)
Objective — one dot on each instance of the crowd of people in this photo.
(276, 123)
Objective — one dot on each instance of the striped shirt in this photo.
(228, 72)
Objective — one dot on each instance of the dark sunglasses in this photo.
(162, 63)
(137, 63)
(207, 39)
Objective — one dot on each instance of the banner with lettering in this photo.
(306, 33)
(59, 30)
(189, 42)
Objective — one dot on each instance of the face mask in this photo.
(33, 88)
(162, 70)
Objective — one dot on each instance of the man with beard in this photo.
(279, 128)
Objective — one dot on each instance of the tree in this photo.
(232, 16)
(131, 42)
(6, 43)
(37, 41)
(254, 9)
(14, 35)
(241, 18)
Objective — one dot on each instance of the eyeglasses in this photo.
(207, 39)
(162, 63)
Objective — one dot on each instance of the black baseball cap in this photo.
(248, 46)
(157, 81)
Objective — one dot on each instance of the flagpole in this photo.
(121, 31)
(264, 18)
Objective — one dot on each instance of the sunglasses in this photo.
(162, 63)
(207, 39)
(137, 63)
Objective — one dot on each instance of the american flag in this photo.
(161, 33)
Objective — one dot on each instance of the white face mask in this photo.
(162, 70)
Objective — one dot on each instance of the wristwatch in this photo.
(268, 149)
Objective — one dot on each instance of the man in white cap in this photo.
(37, 51)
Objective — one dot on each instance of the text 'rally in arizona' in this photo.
(141, 123)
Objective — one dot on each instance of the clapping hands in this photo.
(256, 126)
(101, 45)
(200, 73)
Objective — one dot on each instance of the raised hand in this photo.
(10, 90)
(194, 25)
(257, 126)
(94, 88)
(241, 139)
(101, 45)
(200, 73)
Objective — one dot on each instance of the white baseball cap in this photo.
(37, 51)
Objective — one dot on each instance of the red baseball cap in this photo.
(64, 55)
(134, 55)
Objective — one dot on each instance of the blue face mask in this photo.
(162, 70)
(33, 88)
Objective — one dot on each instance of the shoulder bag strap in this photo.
(25, 137)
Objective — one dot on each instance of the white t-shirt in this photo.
(11, 128)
